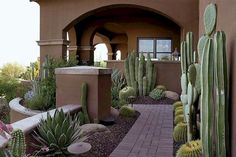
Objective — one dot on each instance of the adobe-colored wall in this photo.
(99, 90)
(58, 16)
(226, 22)
(168, 73)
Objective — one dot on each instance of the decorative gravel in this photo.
(104, 143)
(149, 100)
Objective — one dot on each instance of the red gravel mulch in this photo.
(149, 100)
(104, 143)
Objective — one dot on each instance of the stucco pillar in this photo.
(72, 51)
(55, 48)
(69, 81)
(85, 54)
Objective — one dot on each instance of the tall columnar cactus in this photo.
(214, 87)
(189, 44)
(136, 69)
(17, 144)
(145, 85)
(83, 99)
(221, 87)
(140, 74)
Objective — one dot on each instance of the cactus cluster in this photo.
(214, 88)
(140, 74)
(190, 149)
(17, 144)
(157, 94)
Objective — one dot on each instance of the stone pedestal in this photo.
(69, 81)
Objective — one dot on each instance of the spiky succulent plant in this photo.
(177, 104)
(56, 133)
(179, 112)
(179, 118)
(190, 149)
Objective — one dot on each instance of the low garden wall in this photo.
(168, 72)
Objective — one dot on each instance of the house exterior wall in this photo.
(226, 21)
(58, 16)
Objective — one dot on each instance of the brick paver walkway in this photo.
(151, 135)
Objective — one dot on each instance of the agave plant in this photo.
(56, 133)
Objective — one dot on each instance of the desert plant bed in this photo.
(149, 100)
(103, 143)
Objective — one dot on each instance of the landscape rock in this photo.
(172, 95)
(89, 129)
(114, 112)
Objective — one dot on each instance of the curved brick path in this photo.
(151, 135)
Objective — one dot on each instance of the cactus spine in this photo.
(17, 143)
(84, 95)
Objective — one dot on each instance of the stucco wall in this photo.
(226, 22)
(57, 15)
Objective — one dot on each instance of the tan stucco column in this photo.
(110, 56)
(85, 54)
(55, 48)
(69, 81)
(72, 51)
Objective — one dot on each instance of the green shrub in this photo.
(127, 111)
(126, 92)
(56, 134)
(118, 82)
(157, 94)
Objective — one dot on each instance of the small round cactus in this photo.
(180, 132)
(179, 118)
(190, 149)
(179, 112)
(177, 104)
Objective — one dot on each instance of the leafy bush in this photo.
(127, 111)
(56, 133)
(43, 93)
(118, 82)
(157, 94)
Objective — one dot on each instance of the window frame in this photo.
(155, 39)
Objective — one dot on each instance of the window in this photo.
(155, 46)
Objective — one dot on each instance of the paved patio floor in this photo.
(151, 135)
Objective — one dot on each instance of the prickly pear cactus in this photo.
(210, 19)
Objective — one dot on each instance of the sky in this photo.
(19, 31)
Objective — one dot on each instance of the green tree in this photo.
(12, 70)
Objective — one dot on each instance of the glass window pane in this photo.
(145, 55)
(163, 45)
(146, 45)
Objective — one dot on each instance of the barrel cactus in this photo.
(177, 104)
(180, 132)
(179, 112)
(178, 119)
(190, 149)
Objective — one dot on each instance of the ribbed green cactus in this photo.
(17, 144)
(127, 72)
(178, 119)
(177, 104)
(189, 45)
(190, 149)
(141, 74)
(145, 86)
(200, 46)
(83, 99)
(180, 132)
(179, 112)
(221, 87)
(136, 69)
